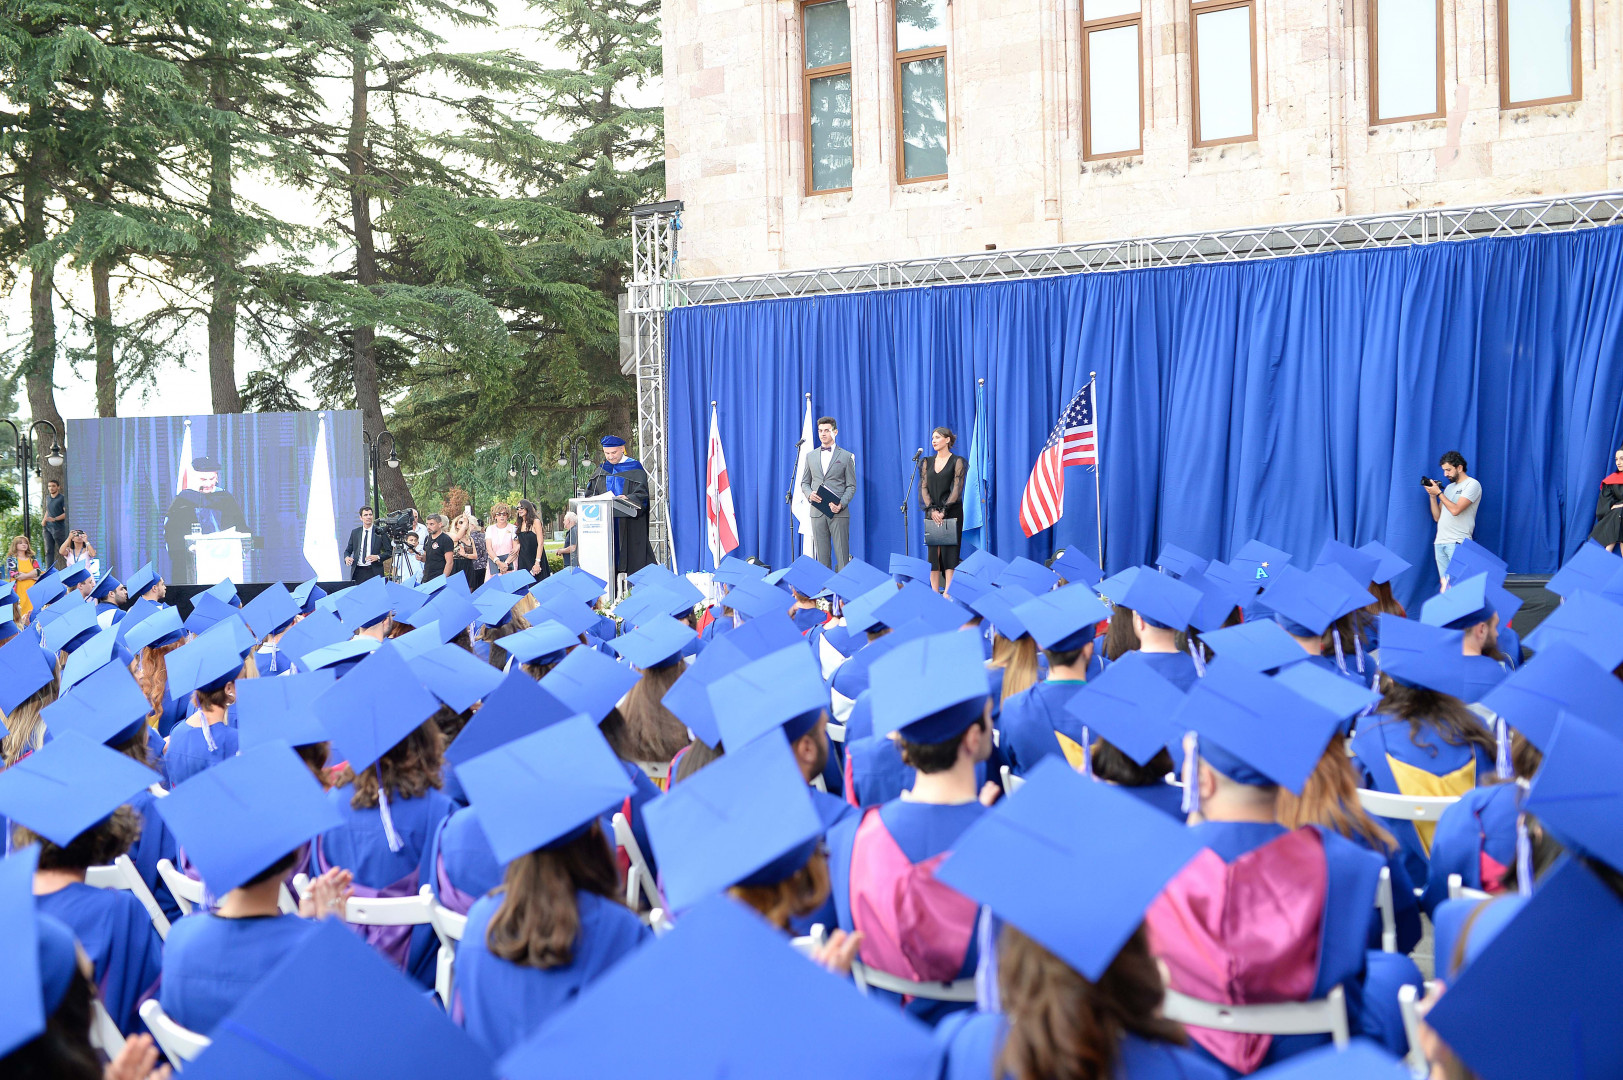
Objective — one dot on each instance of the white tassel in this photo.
(1501, 734)
(1524, 857)
(1358, 650)
(1200, 661)
(395, 843)
(1191, 773)
(1341, 659)
(1087, 752)
(208, 739)
(986, 992)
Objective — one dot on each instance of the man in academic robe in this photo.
(624, 476)
(204, 504)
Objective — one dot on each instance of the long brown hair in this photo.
(1330, 798)
(1063, 1027)
(528, 517)
(1018, 659)
(1120, 637)
(651, 732)
(154, 675)
(700, 754)
(538, 918)
(25, 732)
(1442, 713)
(1385, 603)
(795, 897)
(493, 634)
(409, 769)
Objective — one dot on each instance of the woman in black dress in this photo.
(1609, 508)
(531, 551)
(941, 490)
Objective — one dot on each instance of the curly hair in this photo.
(153, 674)
(1442, 713)
(795, 897)
(410, 768)
(538, 917)
(98, 845)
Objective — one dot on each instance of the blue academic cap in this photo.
(372, 708)
(280, 709)
(1559, 679)
(159, 628)
(235, 631)
(270, 611)
(495, 608)
(1307, 602)
(998, 608)
(543, 787)
(588, 682)
(1342, 697)
(24, 669)
(1541, 1001)
(1589, 569)
(753, 599)
(1255, 730)
(585, 587)
(1427, 656)
(855, 578)
(1578, 792)
(1463, 606)
(360, 606)
(689, 698)
(405, 602)
(1471, 558)
(69, 785)
(611, 440)
(1080, 892)
(207, 609)
(1389, 564)
(745, 819)
(247, 813)
(1027, 574)
(862, 613)
(449, 609)
(140, 581)
(517, 582)
(1130, 706)
(312, 632)
(655, 643)
(1360, 1059)
(1064, 619)
(982, 564)
(639, 604)
(909, 567)
(1588, 623)
(1259, 562)
(8, 630)
(1218, 599)
(72, 576)
(734, 570)
(455, 676)
(224, 591)
(1178, 561)
(105, 585)
(782, 690)
(204, 663)
(569, 612)
(107, 706)
(414, 643)
(544, 642)
(652, 573)
(1361, 566)
(1161, 600)
(517, 707)
(1074, 566)
(333, 1000)
(339, 657)
(45, 592)
(931, 689)
(1112, 588)
(915, 601)
(1504, 602)
(38, 955)
(79, 620)
(306, 594)
(677, 597)
(806, 576)
(1258, 645)
(965, 588)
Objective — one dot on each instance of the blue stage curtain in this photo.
(1289, 400)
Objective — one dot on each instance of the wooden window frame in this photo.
(806, 76)
(1375, 117)
(1203, 7)
(1504, 62)
(899, 59)
(1111, 22)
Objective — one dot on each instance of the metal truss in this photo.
(1404, 228)
(653, 264)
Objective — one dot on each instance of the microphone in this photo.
(917, 454)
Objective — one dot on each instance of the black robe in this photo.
(631, 547)
(214, 511)
(1608, 521)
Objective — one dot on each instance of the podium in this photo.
(595, 535)
(218, 555)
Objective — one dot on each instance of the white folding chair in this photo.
(1322, 1016)
(448, 927)
(871, 978)
(122, 874)
(188, 892)
(178, 1044)
(638, 879)
(1458, 891)
(1409, 1009)
(104, 1034)
(1011, 782)
(1405, 807)
(390, 910)
(840, 707)
(654, 770)
(1389, 916)
(659, 922)
(809, 944)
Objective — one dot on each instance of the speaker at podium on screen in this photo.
(204, 528)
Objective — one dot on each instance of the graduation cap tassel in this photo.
(395, 843)
(1191, 773)
(1087, 752)
(1501, 735)
(208, 739)
(1524, 857)
(1341, 659)
(987, 929)
(1358, 651)
(1200, 661)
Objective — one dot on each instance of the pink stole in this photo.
(1244, 933)
(912, 925)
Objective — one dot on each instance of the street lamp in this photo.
(521, 468)
(28, 460)
(373, 449)
(575, 447)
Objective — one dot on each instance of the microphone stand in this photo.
(907, 498)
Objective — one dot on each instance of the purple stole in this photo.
(393, 943)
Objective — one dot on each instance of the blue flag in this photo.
(978, 481)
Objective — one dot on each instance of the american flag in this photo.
(1072, 442)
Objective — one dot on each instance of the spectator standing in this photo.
(76, 550)
(56, 520)
(532, 547)
(500, 541)
(437, 547)
(23, 570)
(1453, 508)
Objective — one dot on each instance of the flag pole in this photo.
(1098, 457)
(981, 481)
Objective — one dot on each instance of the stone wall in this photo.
(1017, 175)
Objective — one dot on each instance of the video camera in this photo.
(397, 526)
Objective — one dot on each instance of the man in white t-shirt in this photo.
(1453, 508)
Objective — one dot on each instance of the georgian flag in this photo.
(720, 523)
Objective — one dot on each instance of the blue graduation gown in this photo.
(156, 842)
(173, 711)
(463, 867)
(1033, 721)
(1167, 798)
(1476, 833)
(188, 754)
(973, 1040)
(808, 619)
(1510, 643)
(500, 1003)
(832, 810)
(451, 786)
(118, 936)
(1177, 668)
(272, 660)
(211, 963)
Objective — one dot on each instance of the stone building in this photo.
(803, 133)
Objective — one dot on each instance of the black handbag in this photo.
(943, 533)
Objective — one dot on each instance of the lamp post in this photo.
(373, 450)
(28, 459)
(575, 447)
(521, 468)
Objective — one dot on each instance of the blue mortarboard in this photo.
(105, 585)
(1259, 562)
(270, 611)
(517, 707)
(915, 601)
(1589, 569)
(931, 689)
(372, 708)
(588, 682)
(638, 604)
(727, 973)
(655, 643)
(782, 690)
(24, 669)
(432, 585)
(650, 574)
(1161, 600)
(236, 632)
(545, 642)
(74, 575)
(1218, 599)
(734, 570)
(1505, 602)
(1307, 602)
(100, 649)
(107, 706)
(753, 599)
(333, 1001)
(1114, 587)
(1258, 645)
(1255, 730)
(281, 709)
(340, 656)
(567, 611)
(8, 593)
(1027, 574)
(999, 610)
(1559, 679)
(455, 676)
(1361, 566)
(414, 643)
(862, 613)
(1578, 792)
(1541, 1001)
(307, 593)
(982, 564)
(855, 578)
(909, 567)
(315, 631)
(69, 785)
(587, 588)
(689, 698)
(677, 597)
(45, 592)
(1131, 706)
(1361, 1059)
(224, 591)
(611, 440)
(245, 814)
(204, 663)
(1178, 562)
(1081, 893)
(1588, 623)
(1471, 559)
(1342, 697)
(38, 956)
(1463, 606)
(517, 582)
(965, 588)
(1389, 564)
(1427, 656)
(1064, 619)
(1075, 567)
(748, 819)
(207, 609)
(405, 601)
(360, 606)
(8, 630)
(140, 581)
(159, 628)
(806, 576)
(544, 786)
(495, 607)
(79, 620)
(448, 608)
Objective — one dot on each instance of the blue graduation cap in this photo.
(139, 582)
(652, 573)
(414, 643)
(340, 657)
(1343, 698)
(544, 787)
(1471, 559)
(964, 589)
(225, 592)
(24, 669)
(733, 571)
(1588, 623)
(1064, 619)
(931, 689)
(306, 594)
(74, 576)
(204, 663)
(1360, 1059)
(1559, 679)
(372, 708)
(1160, 600)
(753, 599)
(806, 576)
(405, 602)
(281, 709)
(160, 628)
(689, 698)
(568, 612)
(996, 608)
(247, 813)
(1255, 730)
(724, 972)
(1258, 645)
(782, 690)
(1074, 566)
(1080, 892)
(1361, 566)
(272, 610)
(105, 585)
(655, 643)
(1578, 792)
(1427, 656)
(38, 956)
(676, 597)
(982, 564)
(1131, 706)
(517, 582)
(861, 614)
(1178, 562)
(236, 632)
(1259, 562)
(855, 578)
(638, 604)
(517, 707)
(69, 785)
(8, 630)
(588, 682)
(495, 608)
(1541, 1001)
(571, 582)
(363, 605)
(1027, 574)
(107, 706)
(333, 1000)
(45, 592)
(449, 609)
(1389, 564)
(207, 609)
(1307, 602)
(1112, 588)
(456, 676)
(1463, 606)
(1589, 569)
(77, 621)
(915, 601)
(315, 631)
(8, 593)
(1218, 599)
(545, 642)
(909, 568)
(746, 819)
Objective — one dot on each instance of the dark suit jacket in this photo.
(380, 546)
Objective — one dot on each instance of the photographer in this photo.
(1453, 508)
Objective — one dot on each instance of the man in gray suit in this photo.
(836, 469)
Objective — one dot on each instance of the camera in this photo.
(397, 525)
(1426, 482)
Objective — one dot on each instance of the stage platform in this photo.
(181, 595)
